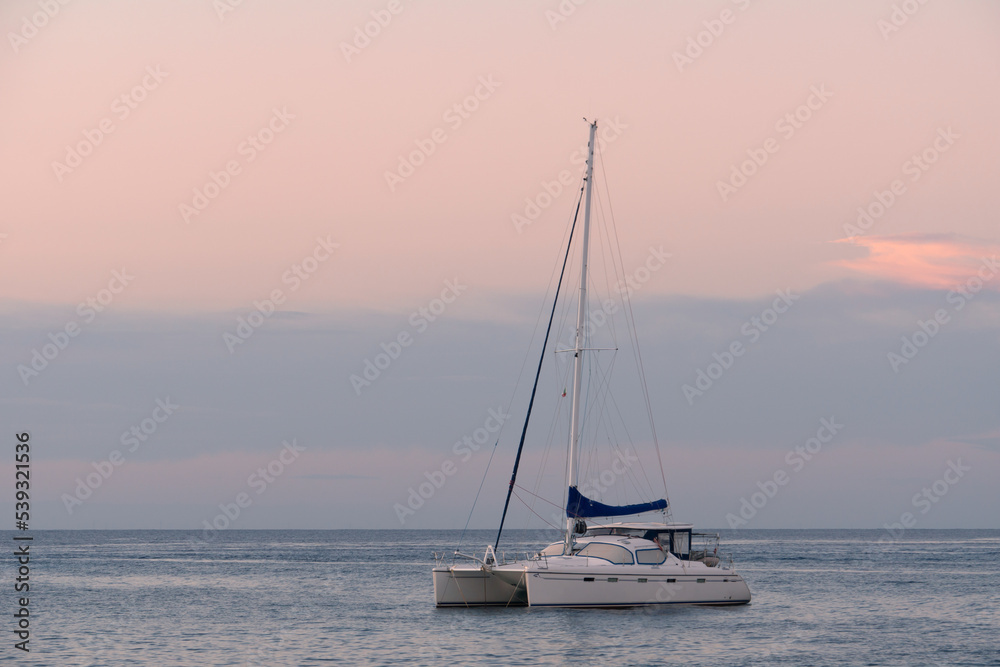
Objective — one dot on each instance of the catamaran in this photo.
(600, 563)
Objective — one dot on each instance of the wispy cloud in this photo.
(937, 261)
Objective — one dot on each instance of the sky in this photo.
(216, 213)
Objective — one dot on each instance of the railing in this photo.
(489, 558)
(704, 546)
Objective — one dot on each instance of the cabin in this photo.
(677, 538)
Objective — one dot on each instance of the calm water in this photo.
(365, 597)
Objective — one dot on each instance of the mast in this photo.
(581, 317)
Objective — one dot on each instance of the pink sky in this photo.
(835, 113)
(324, 174)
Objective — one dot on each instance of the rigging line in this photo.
(608, 247)
(536, 513)
(541, 310)
(603, 374)
(545, 345)
(562, 373)
(607, 398)
(600, 383)
(524, 362)
(485, 472)
(585, 410)
(544, 500)
(560, 324)
(631, 321)
(593, 405)
(594, 401)
(611, 269)
(618, 274)
(606, 251)
(642, 469)
(550, 437)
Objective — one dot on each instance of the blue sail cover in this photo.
(580, 507)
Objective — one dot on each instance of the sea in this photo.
(365, 597)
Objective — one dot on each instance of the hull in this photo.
(474, 586)
(591, 588)
(583, 582)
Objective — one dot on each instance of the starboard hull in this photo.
(591, 589)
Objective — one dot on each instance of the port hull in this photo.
(474, 586)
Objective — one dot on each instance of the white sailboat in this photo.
(617, 564)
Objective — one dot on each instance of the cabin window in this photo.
(588, 578)
(649, 556)
(671, 581)
(642, 580)
(609, 552)
(613, 579)
(701, 581)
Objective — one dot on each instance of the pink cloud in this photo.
(937, 261)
